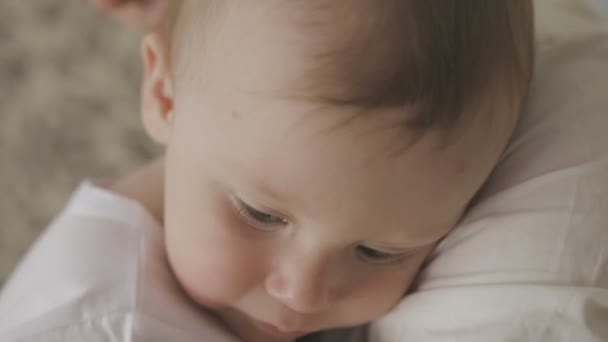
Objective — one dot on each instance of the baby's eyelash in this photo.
(265, 222)
(256, 218)
(379, 257)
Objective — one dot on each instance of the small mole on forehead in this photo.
(236, 115)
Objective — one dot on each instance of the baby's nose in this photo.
(304, 287)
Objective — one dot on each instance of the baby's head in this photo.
(317, 150)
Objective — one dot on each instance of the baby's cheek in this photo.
(376, 295)
(215, 269)
(380, 295)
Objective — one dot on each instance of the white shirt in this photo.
(99, 273)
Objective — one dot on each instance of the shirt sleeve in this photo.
(99, 273)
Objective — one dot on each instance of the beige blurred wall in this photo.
(69, 96)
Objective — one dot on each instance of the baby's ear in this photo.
(157, 88)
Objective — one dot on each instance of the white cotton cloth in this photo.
(99, 273)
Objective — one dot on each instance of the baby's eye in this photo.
(256, 218)
(263, 217)
(375, 256)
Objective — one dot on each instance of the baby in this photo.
(317, 150)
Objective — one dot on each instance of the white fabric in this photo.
(529, 262)
(99, 273)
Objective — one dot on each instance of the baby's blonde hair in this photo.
(436, 56)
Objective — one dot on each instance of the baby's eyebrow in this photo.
(410, 243)
(265, 189)
(250, 181)
(274, 202)
(397, 247)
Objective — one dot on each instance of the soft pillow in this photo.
(529, 262)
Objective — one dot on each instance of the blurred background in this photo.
(69, 99)
(601, 6)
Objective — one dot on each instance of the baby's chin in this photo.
(247, 328)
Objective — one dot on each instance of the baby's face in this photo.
(285, 222)
(275, 217)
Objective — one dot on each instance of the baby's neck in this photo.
(146, 186)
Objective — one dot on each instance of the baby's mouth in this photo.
(279, 332)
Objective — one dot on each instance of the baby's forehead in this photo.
(362, 54)
(323, 51)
